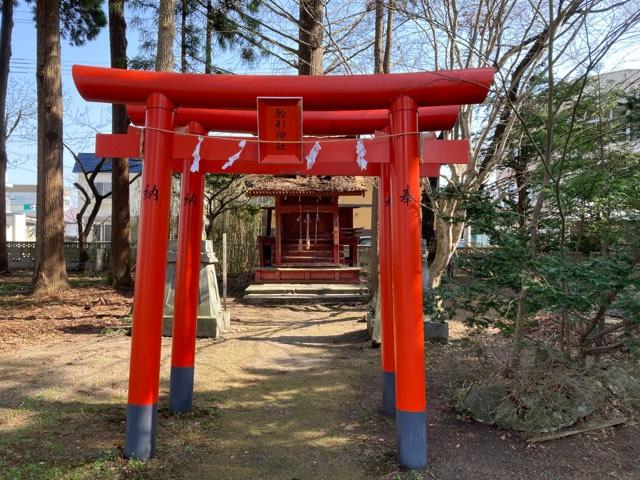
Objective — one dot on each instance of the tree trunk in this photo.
(166, 35)
(428, 231)
(373, 254)
(518, 335)
(310, 34)
(378, 52)
(183, 37)
(208, 67)
(5, 55)
(386, 61)
(208, 229)
(83, 234)
(120, 268)
(83, 253)
(521, 178)
(448, 235)
(50, 274)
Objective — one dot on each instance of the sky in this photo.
(23, 151)
(82, 119)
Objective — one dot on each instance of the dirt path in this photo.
(285, 394)
(289, 393)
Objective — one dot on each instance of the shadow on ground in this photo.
(287, 394)
(302, 414)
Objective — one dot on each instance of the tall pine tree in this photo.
(120, 268)
(81, 20)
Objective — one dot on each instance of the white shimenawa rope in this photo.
(235, 156)
(360, 153)
(195, 165)
(312, 155)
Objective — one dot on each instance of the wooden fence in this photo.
(242, 233)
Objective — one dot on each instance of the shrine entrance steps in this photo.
(305, 273)
(279, 293)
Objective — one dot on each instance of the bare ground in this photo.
(289, 393)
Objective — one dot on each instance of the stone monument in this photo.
(212, 319)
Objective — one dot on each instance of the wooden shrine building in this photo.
(308, 236)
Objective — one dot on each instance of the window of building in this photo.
(103, 187)
(102, 233)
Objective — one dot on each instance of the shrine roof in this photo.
(266, 185)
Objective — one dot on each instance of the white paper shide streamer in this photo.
(235, 156)
(312, 155)
(360, 153)
(195, 165)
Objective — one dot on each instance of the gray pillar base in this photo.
(411, 428)
(389, 394)
(181, 389)
(141, 427)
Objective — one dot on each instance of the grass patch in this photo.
(87, 280)
(14, 288)
(109, 466)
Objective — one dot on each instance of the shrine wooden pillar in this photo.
(407, 285)
(151, 265)
(268, 225)
(279, 230)
(187, 284)
(336, 230)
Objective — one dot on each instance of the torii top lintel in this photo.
(350, 92)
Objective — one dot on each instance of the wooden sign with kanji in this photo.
(280, 129)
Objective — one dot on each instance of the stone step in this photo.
(307, 288)
(274, 299)
(279, 293)
(307, 256)
(295, 263)
(293, 251)
(318, 242)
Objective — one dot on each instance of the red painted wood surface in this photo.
(308, 275)
(445, 152)
(330, 92)
(407, 277)
(385, 260)
(187, 277)
(347, 122)
(279, 124)
(153, 234)
(335, 158)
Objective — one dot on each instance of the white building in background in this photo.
(18, 229)
(21, 204)
(88, 162)
(21, 199)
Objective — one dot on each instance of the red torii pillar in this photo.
(411, 415)
(146, 337)
(187, 284)
(386, 293)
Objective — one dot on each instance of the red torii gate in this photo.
(166, 98)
